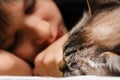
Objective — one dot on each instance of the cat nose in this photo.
(63, 67)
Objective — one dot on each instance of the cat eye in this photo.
(30, 6)
(70, 51)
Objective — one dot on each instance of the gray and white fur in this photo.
(93, 47)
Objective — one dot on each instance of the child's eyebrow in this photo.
(26, 3)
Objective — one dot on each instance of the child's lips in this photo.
(59, 33)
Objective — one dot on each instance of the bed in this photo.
(58, 78)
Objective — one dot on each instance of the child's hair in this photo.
(4, 17)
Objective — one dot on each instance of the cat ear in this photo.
(94, 5)
(113, 62)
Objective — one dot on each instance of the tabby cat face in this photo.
(93, 47)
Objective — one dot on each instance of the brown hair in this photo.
(4, 15)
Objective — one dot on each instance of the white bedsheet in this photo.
(58, 78)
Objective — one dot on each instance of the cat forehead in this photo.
(106, 28)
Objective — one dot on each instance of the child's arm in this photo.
(12, 65)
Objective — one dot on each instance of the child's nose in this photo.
(35, 21)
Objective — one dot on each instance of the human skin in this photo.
(35, 33)
(12, 65)
(50, 59)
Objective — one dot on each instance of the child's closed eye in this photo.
(30, 7)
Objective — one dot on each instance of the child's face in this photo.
(32, 31)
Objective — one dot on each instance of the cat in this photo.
(93, 45)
